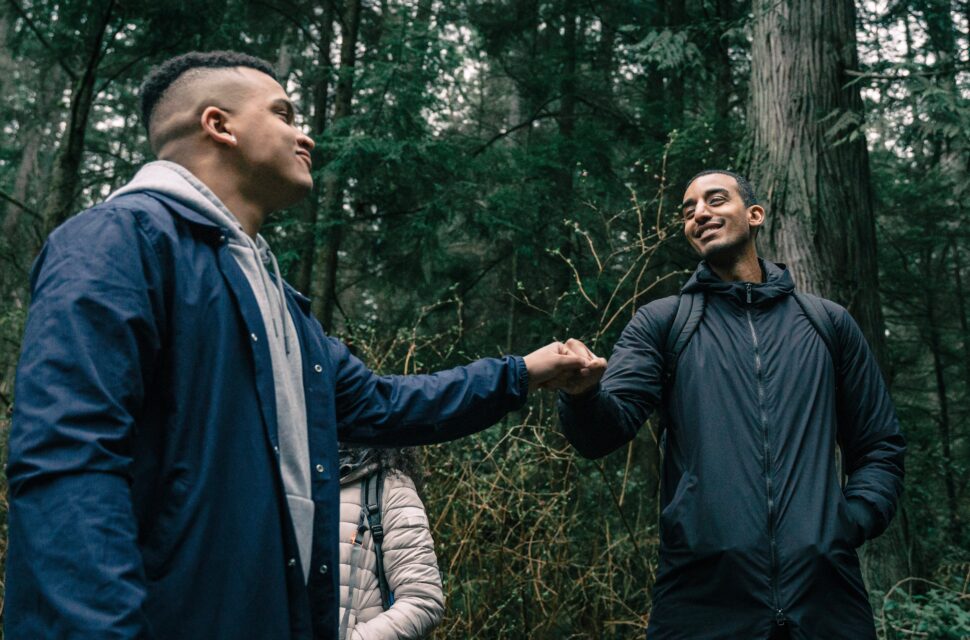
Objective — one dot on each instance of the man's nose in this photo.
(701, 213)
(305, 141)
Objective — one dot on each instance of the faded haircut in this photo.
(161, 78)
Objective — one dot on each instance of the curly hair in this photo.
(403, 460)
(164, 75)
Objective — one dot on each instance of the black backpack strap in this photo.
(373, 489)
(690, 310)
(819, 316)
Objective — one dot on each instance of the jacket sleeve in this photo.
(73, 568)
(872, 444)
(411, 568)
(609, 416)
(424, 409)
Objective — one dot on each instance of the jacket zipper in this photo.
(773, 547)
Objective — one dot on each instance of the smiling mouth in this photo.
(706, 231)
(305, 156)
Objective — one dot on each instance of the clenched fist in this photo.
(569, 366)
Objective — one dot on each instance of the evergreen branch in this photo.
(929, 73)
(295, 22)
(122, 70)
(71, 73)
(506, 132)
(17, 203)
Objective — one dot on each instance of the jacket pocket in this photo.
(850, 532)
(675, 523)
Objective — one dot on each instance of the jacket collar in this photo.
(777, 284)
(179, 209)
(213, 230)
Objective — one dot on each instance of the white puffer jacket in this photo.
(409, 564)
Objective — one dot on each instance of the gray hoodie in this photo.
(255, 259)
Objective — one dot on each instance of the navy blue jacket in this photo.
(145, 492)
(755, 527)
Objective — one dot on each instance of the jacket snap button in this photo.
(317, 368)
(323, 568)
(253, 336)
(319, 468)
(291, 562)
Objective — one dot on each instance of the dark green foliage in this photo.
(508, 173)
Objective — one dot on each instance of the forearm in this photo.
(597, 423)
(425, 409)
(73, 567)
(875, 482)
(411, 618)
(872, 443)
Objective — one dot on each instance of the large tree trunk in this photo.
(810, 164)
(328, 261)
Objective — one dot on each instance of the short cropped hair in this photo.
(164, 75)
(744, 187)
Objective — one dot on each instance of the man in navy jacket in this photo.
(173, 454)
(757, 536)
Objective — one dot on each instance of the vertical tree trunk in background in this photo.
(67, 164)
(817, 193)
(325, 289)
(723, 139)
(567, 105)
(943, 420)
(962, 312)
(675, 16)
(320, 90)
(605, 49)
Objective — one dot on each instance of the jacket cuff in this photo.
(863, 516)
(521, 379)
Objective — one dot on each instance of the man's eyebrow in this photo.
(714, 190)
(707, 194)
(285, 104)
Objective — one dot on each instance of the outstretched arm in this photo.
(73, 567)
(424, 409)
(599, 419)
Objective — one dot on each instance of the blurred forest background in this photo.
(493, 175)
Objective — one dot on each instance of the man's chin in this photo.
(715, 251)
(293, 194)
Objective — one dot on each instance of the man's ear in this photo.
(215, 123)
(756, 215)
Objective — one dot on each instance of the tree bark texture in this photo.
(816, 186)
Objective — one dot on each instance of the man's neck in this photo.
(224, 184)
(250, 216)
(745, 268)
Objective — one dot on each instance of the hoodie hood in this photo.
(777, 283)
(178, 183)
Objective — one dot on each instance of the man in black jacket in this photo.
(757, 535)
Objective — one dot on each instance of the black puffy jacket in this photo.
(755, 527)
